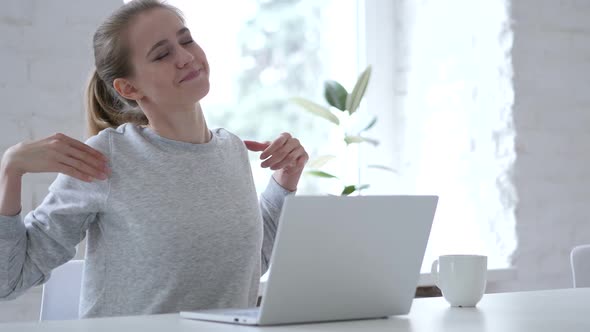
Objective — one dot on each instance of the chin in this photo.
(199, 93)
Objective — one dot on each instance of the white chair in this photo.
(61, 293)
(580, 262)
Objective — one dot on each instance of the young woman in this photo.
(168, 206)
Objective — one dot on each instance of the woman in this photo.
(169, 207)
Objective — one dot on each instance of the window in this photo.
(446, 100)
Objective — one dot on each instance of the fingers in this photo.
(291, 159)
(98, 164)
(274, 146)
(288, 155)
(282, 159)
(256, 146)
(81, 146)
(71, 171)
(78, 159)
(285, 153)
(81, 167)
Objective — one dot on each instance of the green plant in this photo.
(341, 112)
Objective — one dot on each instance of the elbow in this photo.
(7, 292)
(13, 287)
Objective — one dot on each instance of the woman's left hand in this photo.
(285, 155)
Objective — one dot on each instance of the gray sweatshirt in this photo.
(177, 226)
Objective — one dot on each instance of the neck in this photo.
(183, 125)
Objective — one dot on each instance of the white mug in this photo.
(461, 278)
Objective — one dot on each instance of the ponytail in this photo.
(105, 109)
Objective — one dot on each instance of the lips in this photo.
(191, 75)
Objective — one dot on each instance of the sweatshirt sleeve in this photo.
(47, 237)
(271, 204)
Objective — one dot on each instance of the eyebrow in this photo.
(164, 41)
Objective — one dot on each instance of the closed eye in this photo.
(162, 56)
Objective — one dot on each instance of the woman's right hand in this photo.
(57, 153)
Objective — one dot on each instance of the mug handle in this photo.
(434, 272)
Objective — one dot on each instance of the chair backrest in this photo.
(61, 293)
(580, 261)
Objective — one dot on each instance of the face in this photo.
(170, 68)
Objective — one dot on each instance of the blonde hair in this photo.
(105, 108)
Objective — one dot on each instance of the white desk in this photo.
(555, 310)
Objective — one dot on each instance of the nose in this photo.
(184, 57)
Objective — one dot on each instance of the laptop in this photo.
(340, 258)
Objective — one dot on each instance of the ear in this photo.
(126, 89)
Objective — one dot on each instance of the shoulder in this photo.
(102, 140)
(224, 135)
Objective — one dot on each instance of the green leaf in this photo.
(320, 161)
(370, 125)
(336, 95)
(354, 98)
(381, 167)
(360, 139)
(321, 174)
(316, 109)
(350, 189)
(361, 187)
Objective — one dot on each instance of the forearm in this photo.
(10, 190)
(271, 204)
(19, 270)
(13, 243)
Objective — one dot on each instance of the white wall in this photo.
(45, 59)
(551, 59)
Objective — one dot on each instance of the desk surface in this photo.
(554, 310)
